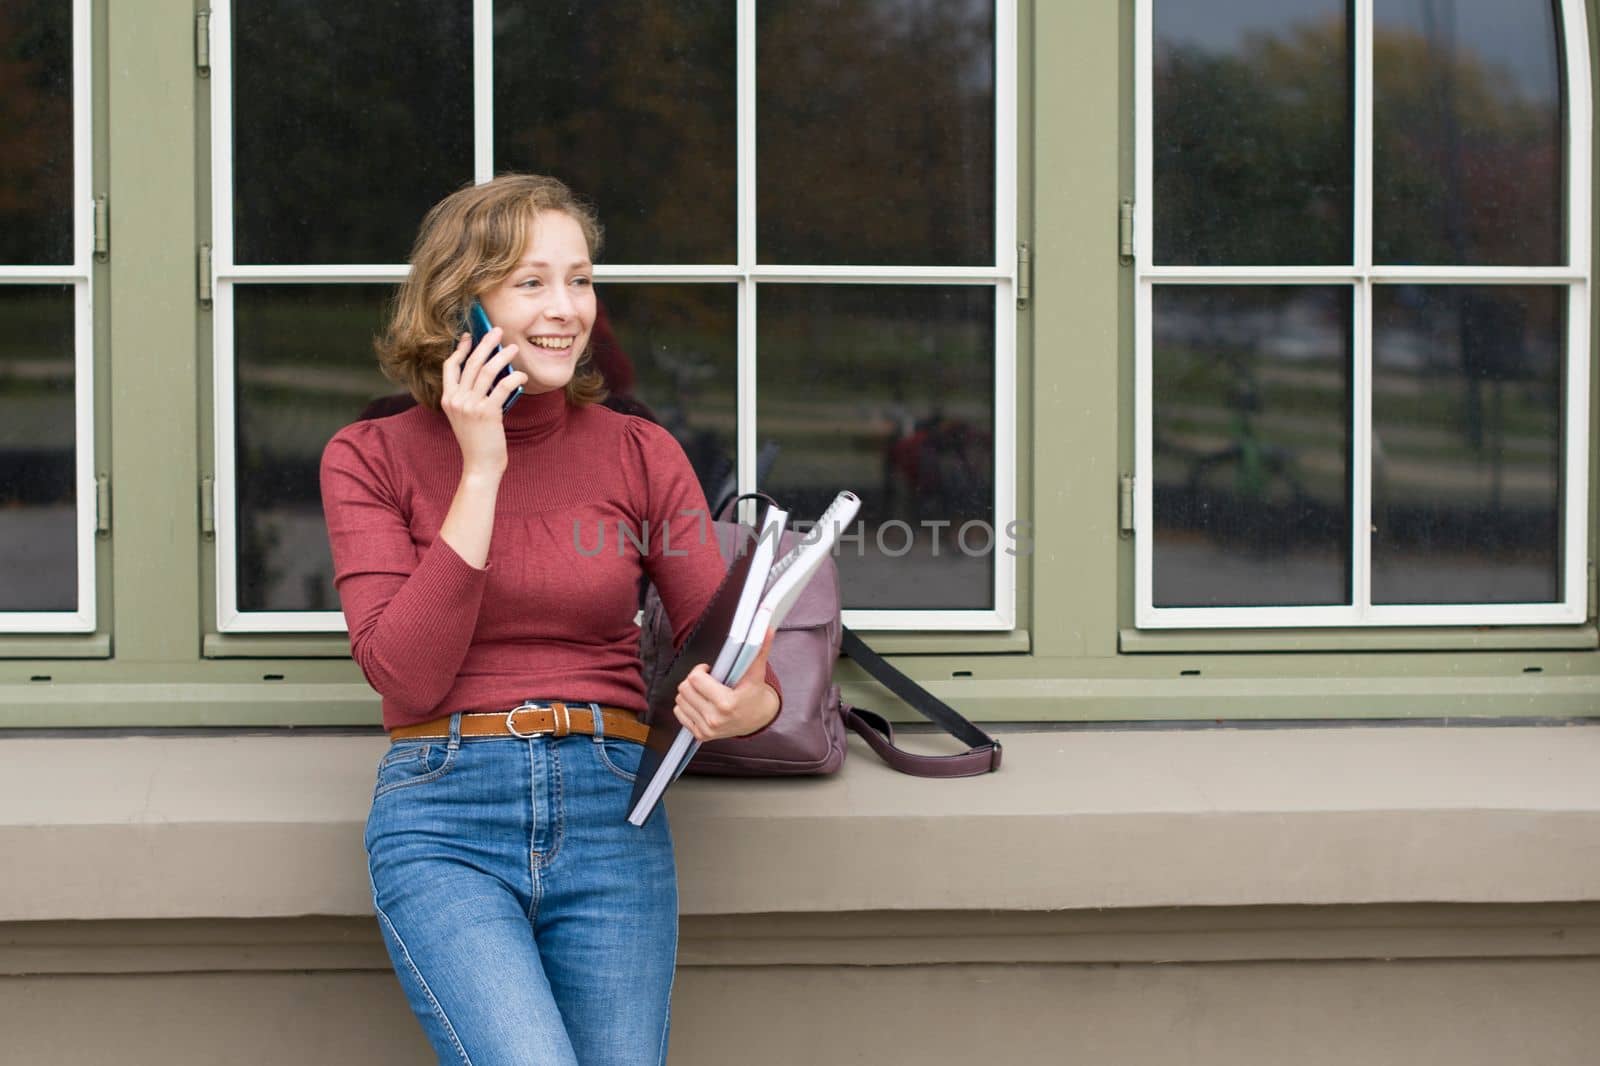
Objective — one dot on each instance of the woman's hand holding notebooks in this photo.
(756, 595)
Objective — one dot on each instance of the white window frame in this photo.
(1361, 276)
(746, 274)
(79, 274)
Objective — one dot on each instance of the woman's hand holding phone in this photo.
(473, 408)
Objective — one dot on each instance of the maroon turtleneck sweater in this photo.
(551, 614)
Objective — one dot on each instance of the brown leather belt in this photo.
(544, 718)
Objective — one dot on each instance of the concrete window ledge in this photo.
(270, 826)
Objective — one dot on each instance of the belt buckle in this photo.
(511, 725)
(563, 720)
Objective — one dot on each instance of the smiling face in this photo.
(546, 305)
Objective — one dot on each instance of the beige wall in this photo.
(1237, 1014)
(1310, 986)
(1339, 895)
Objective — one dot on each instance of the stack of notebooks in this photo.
(755, 596)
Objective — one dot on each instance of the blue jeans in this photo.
(527, 921)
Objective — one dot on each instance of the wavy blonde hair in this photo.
(468, 243)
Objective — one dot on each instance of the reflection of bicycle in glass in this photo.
(1247, 493)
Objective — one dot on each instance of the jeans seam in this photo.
(666, 1020)
(431, 775)
(605, 758)
(558, 820)
(411, 966)
(399, 755)
(535, 886)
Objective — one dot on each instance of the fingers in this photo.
(481, 354)
(484, 383)
(689, 708)
(508, 384)
(465, 359)
(704, 705)
(450, 371)
(484, 363)
(466, 376)
(690, 721)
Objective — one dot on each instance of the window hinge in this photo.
(1125, 232)
(205, 275)
(1125, 506)
(102, 229)
(102, 504)
(202, 44)
(208, 508)
(1024, 275)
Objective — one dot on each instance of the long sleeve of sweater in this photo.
(411, 613)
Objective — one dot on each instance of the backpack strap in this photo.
(983, 755)
(722, 512)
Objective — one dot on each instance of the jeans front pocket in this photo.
(413, 763)
(621, 757)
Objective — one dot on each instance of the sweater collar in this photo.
(535, 417)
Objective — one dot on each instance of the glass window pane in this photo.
(888, 390)
(1466, 422)
(670, 354)
(632, 103)
(38, 450)
(1253, 133)
(349, 122)
(1467, 133)
(1252, 445)
(875, 132)
(35, 132)
(305, 367)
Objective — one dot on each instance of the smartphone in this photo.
(478, 325)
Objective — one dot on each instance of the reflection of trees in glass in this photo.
(304, 364)
(1466, 418)
(1466, 164)
(632, 103)
(35, 132)
(38, 450)
(1253, 154)
(350, 121)
(1253, 150)
(876, 132)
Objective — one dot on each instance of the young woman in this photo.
(527, 921)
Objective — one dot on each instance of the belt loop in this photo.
(563, 719)
(455, 731)
(598, 718)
